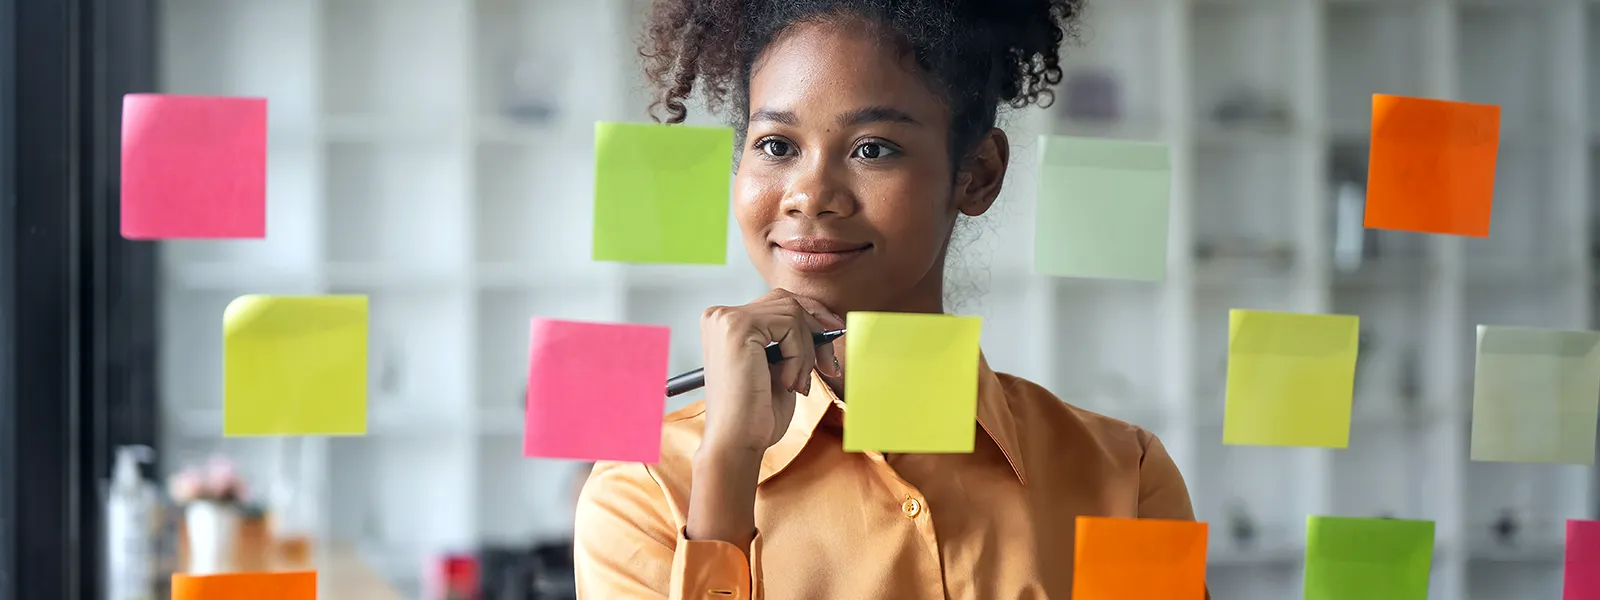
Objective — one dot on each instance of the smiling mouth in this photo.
(816, 256)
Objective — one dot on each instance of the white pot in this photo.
(213, 528)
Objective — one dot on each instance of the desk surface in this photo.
(343, 575)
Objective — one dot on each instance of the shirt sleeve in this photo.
(1162, 492)
(627, 545)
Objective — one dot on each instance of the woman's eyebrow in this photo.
(776, 116)
(876, 114)
(860, 116)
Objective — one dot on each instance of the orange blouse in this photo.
(996, 524)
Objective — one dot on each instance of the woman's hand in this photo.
(750, 402)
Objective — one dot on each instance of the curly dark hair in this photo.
(978, 54)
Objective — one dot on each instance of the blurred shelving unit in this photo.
(436, 155)
(1267, 105)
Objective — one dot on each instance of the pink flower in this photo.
(186, 486)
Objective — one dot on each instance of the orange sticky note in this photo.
(288, 585)
(1139, 559)
(1431, 168)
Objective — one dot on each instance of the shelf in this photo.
(1371, 48)
(576, 278)
(388, 57)
(207, 42)
(1507, 63)
(358, 129)
(392, 277)
(529, 208)
(1113, 82)
(226, 276)
(382, 421)
(1242, 61)
(396, 204)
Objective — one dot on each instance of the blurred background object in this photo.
(435, 155)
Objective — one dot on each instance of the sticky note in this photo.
(596, 391)
(912, 382)
(1582, 578)
(661, 193)
(193, 167)
(1290, 379)
(1535, 395)
(287, 585)
(1102, 209)
(1431, 167)
(294, 365)
(1367, 559)
(1138, 559)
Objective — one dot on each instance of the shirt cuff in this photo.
(715, 570)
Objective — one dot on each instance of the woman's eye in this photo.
(874, 150)
(776, 148)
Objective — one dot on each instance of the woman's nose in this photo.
(816, 190)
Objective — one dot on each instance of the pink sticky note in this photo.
(1582, 580)
(596, 391)
(193, 167)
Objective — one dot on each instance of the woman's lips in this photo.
(810, 259)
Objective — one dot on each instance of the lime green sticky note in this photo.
(1102, 209)
(1367, 559)
(1290, 379)
(294, 365)
(911, 383)
(1535, 395)
(661, 193)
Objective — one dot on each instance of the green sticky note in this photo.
(1290, 379)
(661, 193)
(1367, 559)
(912, 382)
(1102, 209)
(294, 365)
(1535, 395)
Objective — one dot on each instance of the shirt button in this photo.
(911, 507)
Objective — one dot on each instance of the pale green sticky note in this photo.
(294, 365)
(1535, 395)
(1350, 558)
(1102, 209)
(1291, 378)
(912, 382)
(661, 193)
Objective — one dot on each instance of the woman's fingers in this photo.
(825, 317)
(822, 319)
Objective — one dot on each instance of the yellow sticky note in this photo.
(911, 384)
(1290, 379)
(294, 365)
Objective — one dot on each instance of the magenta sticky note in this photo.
(596, 391)
(1582, 581)
(193, 167)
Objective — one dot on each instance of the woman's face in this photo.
(844, 192)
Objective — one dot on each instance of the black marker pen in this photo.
(693, 380)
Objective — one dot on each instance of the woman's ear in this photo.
(984, 171)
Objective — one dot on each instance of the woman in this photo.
(866, 129)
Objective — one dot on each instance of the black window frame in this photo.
(77, 302)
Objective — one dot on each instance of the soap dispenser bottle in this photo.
(130, 528)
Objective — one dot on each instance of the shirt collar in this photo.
(994, 418)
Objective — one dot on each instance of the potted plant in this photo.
(212, 497)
